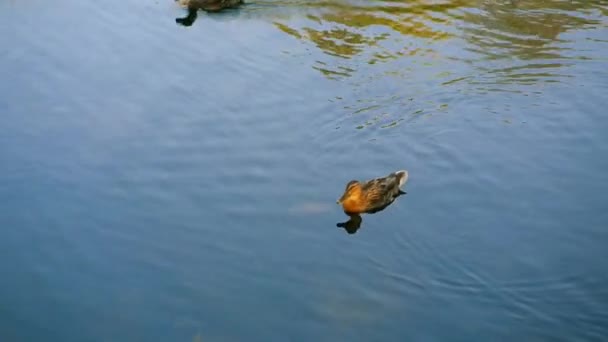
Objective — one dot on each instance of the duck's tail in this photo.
(402, 176)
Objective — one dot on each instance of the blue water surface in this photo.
(169, 183)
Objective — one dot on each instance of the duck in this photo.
(373, 195)
(205, 5)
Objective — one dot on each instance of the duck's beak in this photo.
(338, 202)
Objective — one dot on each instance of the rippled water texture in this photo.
(169, 183)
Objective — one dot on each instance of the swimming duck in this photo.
(372, 195)
(205, 5)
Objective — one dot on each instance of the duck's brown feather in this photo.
(372, 195)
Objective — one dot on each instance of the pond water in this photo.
(170, 183)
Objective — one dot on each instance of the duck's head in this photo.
(353, 188)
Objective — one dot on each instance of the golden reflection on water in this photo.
(525, 29)
(477, 46)
(349, 29)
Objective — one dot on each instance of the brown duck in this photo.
(372, 195)
(205, 5)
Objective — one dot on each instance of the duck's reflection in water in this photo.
(189, 19)
(352, 225)
(355, 220)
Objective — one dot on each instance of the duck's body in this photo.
(372, 195)
(205, 5)
(210, 5)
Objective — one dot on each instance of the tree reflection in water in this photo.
(464, 46)
(381, 31)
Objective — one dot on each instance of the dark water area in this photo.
(169, 183)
